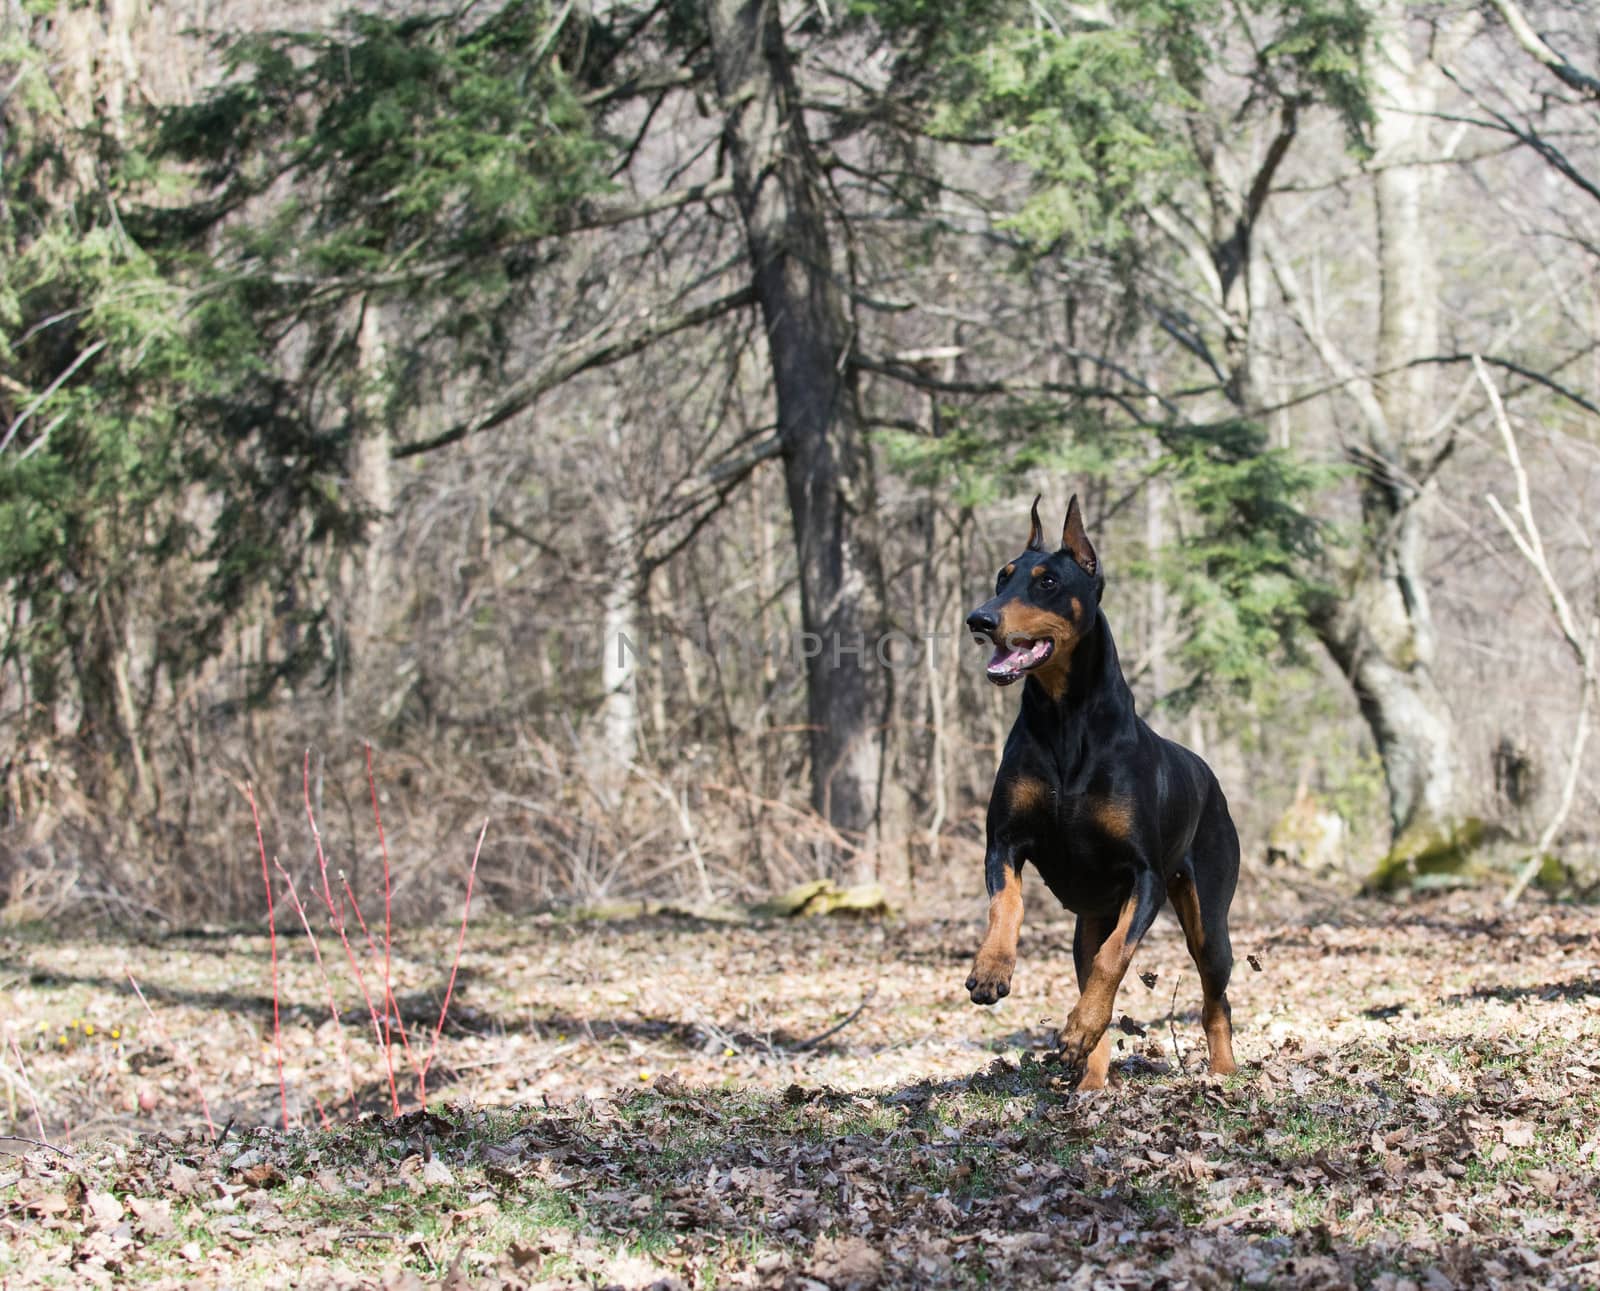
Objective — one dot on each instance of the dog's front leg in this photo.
(1090, 1017)
(990, 979)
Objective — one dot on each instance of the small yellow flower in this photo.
(644, 1075)
(116, 1033)
(62, 1038)
(88, 1028)
(727, 1053)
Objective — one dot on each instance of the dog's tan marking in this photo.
(1009, 570)
(997, 957)
(1087, 1023)
(1219, 1038)
(1186, 905)
(1214, 1011)
(1114, 816)
(1098, 1067)
(1019, 622)
(1026, 794)
(1037, 570)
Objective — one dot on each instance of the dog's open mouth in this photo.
(1014, 657)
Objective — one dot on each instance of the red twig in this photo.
(388, 900)
(22, 1070)
(337, 913)
(327, 986)
(180, 1054)
(461, 941)
(391, 1005)
(391, 1008)
(272, 934)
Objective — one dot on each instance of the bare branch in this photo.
(1232, 253)
(1361, 386)
(718, 481)
(1508, 365)
(922, 380)
(1517, 369)
(1531, 545)
(605, 218)
(576, 361)
(1569, 783)
(706, 192)
(649, 82)
(1528, 540)
(1535, 44)
(61, 380)
(1194, 246)
(1526, 136)
(1261, 185)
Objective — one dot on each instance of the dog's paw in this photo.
(990, 980)
(1076, 1044)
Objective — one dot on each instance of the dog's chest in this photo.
(1084, 854)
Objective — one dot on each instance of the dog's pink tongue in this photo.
(1010, 662)
(1006, 664)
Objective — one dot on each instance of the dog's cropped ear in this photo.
(1036, 530)
(1076, 541)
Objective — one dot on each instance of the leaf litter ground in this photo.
(665, 1102)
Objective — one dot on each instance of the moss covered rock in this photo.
(825, 897)
(1309, 837)
(1432, 856)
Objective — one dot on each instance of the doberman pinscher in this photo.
(1114, 818)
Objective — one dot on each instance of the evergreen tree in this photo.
(1150, 161)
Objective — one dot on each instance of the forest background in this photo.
(611, 412)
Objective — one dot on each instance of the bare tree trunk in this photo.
(619, 704)
(1372, 636)
(372, 474)
(363, 575)
(827, 466)
(1377, 623)
(1381, 631)
(1156, 491)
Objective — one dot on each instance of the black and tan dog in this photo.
(1116, 819)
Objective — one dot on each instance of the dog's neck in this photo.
(1095, 685)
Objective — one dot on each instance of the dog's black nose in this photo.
(982, 620)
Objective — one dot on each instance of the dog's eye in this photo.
(1046, 583)
(1000, 580)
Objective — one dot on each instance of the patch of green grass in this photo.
(1070, 1154)
(1153, 1201)
(1297, 1129)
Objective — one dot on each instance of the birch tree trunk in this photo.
(827, 466)
(1377, 623)
(368, 576)
(1380, 628)
(619, 704)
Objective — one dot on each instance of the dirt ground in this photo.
(669, 1101)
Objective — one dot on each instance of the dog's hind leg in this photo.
(1200, 892)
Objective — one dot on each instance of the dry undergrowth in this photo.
(661, 1102)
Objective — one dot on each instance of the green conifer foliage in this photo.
(1104, 108)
